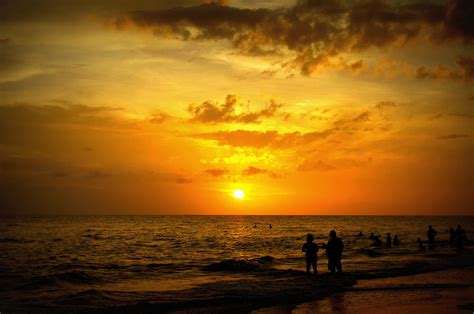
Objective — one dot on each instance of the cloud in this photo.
(208, 112)
(320, 165)
(315, 31)
(215, 172)
(381, 105)
(257, 139)
(465, 71)
(312, 165)
(352, 122)
(159, 118)
(452, 136)
(183, 180)
(252, 171)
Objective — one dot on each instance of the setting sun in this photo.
(239, 194)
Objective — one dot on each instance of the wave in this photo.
(370, 252)
(15, 240)
(72, 277)
(254, 264)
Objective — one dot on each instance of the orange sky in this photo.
(168, 107)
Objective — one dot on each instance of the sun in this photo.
(239, 194)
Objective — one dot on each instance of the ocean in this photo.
(86, 262)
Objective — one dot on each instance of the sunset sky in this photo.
(169, 107)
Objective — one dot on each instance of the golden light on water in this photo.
(239, 194)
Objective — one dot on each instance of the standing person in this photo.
(452, 236)
(334, 252)
(396, 240)
(389, 240)
(311, 254)
(431, 233)
(460, 237)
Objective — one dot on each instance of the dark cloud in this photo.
(208, 112)
(183, 180)
(12, 11)
(465, 71)
(452, 136)
(216, 172)
(251, 171)
(314, 30)
(381, 105)
(353, 122)
(467, 67)
(257, 139)
(312, 165)
(315, 164)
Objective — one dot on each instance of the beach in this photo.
(157, 264)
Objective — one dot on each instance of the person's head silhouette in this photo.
(309, 238)
(332, 234)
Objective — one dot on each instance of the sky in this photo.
(313, 107)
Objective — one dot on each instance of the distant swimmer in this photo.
(389, 240)
(421, 247)
(396, 240)
(360, 234)
(377, 241)
(255, 226)
(431, 233)
(270, 226)
(311, 254)
(334, 249)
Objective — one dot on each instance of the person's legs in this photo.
(331, 264)
(315, 266)
(308, 265)
(339, 265)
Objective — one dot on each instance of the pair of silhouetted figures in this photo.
(456, 238)
(378, 242)
(333, 248)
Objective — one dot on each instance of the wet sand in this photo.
(447, 291)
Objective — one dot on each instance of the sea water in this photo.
(54, 260)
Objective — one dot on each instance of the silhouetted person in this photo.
(255, 226)
(396, 240)
(431, 233)
(270, 226)
(372, 236)
(452, 236)
(421, 247)
(311, 254)
(377, 241)
(361, 234)
(334, 252)
(460, 237)
(389, 240)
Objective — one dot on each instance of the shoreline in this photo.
(443, 291)
(261, 288)
(292, 288)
